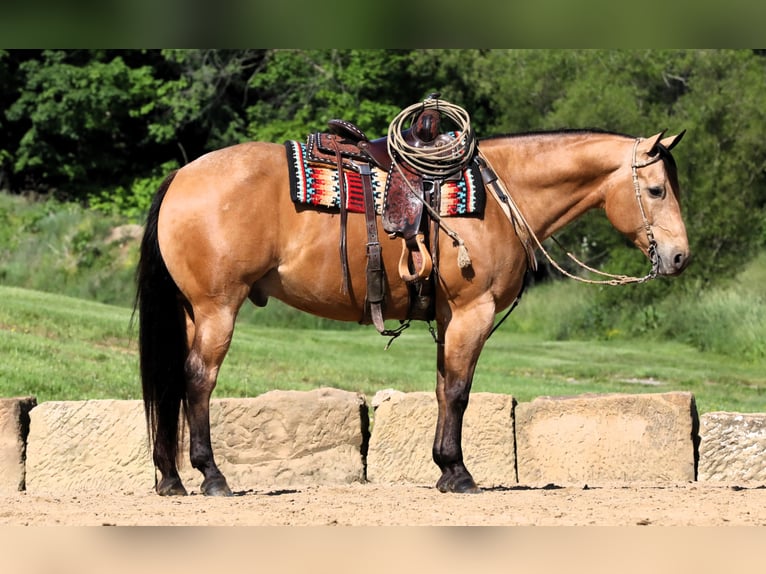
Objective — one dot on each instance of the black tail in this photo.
(162, 342)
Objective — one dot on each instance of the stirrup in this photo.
(426, 263)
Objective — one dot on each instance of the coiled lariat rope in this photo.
(447, 156)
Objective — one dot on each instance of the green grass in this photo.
(61, 348)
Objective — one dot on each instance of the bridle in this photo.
(517, 219)
(524, 232)
(652, 248)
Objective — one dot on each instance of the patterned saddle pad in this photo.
(317, 185)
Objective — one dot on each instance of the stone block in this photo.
(288, 438)
(14, 427)
(732, 447)
(606, 438)
(278, 439)
(88, 445)
(403, 434)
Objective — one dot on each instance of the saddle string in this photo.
(463, 258)
(614, 279)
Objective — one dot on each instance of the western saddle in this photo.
(407, 191)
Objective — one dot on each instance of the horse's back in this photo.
(226, 170)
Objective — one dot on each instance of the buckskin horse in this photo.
(224, 228)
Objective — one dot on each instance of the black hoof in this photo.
(171, 487)
(215, 487)
(460, 484)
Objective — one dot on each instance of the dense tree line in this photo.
(102, 127)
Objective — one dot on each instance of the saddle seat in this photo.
(374, 150)
(424, 133)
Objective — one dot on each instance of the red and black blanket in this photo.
(317, 185)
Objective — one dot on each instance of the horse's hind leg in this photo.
(212, 332)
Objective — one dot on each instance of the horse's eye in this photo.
(656, 192)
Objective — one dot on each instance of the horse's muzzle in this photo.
(674, 263)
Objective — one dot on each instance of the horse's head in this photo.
(644, 203)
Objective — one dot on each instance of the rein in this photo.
(504, 198)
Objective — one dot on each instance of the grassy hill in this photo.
(57, 347)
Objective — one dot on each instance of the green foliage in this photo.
(202, 99)
(729, 318)
(132, 201)
(80, 120)
(104, 127)
(62, 247)
(724, 163)
(726, 319)
(302, 89)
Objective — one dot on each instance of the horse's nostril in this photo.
(679, 261)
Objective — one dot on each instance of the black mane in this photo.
(667, 157)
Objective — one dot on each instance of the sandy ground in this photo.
(691, 504)
(371, 529)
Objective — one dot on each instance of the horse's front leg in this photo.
(459, 346)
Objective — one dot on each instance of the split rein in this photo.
(613, 279)
(513, 213)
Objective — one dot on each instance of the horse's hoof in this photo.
(171, 487)
(459, 485)
(215, 487)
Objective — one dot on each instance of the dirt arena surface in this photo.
(691, 504)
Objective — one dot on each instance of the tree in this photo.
(81, 117)
(104, 126)
(299, 90)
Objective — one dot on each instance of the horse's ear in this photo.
(650, 147)
(672, 141)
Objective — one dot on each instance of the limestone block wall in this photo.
(403, 435)
(288, 438)
(292, 438)
(281, 438)
(732, 447)
(87, 445)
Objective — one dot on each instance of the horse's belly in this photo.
(310, 277)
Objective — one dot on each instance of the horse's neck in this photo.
(554, 179)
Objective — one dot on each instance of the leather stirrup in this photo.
(420, 258)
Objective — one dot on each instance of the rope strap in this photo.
(449, 155)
